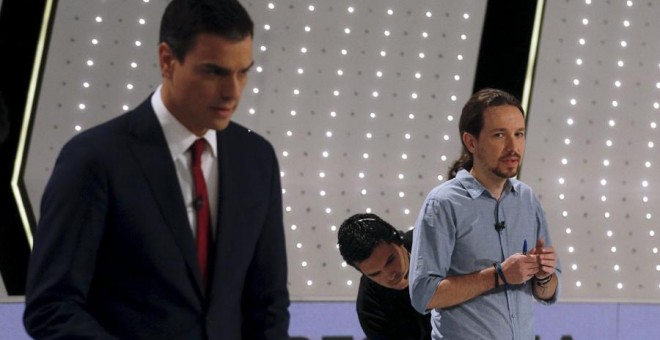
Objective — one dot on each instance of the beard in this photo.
(505, 174)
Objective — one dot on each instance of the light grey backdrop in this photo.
(591, 152)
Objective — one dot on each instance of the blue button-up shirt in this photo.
(455, 234)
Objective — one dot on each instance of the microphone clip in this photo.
(198, 203)
(499, 226)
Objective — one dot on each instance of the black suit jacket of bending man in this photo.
(114, 253)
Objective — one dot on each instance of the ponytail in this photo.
(463, 162)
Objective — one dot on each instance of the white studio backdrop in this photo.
(591, 153)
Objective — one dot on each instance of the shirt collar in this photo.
(475, 189)
(178, 137)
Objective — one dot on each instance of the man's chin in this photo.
(221, 125)
(505, 174)
(401, 285)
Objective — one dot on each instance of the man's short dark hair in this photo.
(361, 233)
(184, 20)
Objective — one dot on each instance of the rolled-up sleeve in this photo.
(433, 243)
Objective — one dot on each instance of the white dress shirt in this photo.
(179, 140)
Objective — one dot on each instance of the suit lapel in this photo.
(225, 191)
(230, 199)
(155, 159)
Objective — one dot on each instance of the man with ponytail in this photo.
(469, 264)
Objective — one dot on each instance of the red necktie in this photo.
(201, 205)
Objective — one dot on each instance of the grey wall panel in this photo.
(592, 146)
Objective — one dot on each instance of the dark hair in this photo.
(183, 20)
(472, 121)
(361, 233)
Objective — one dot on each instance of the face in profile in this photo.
(203, 90)
(388, 265)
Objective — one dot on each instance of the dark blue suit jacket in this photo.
(114, 254)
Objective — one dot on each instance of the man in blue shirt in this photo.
(469, 264)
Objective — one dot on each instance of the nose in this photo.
(231, 87)
(512, 143)
(509, 142)
(392, 275)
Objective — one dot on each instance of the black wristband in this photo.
(497, 278)
(498, 267)
(544, 281)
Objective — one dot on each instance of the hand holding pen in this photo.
(546, 257)
(518, 267)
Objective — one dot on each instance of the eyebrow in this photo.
(249, 66)
(223, 70)
(505, 129)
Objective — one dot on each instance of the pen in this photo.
(524, 253)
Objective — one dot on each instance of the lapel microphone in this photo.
(500, 225)
(198, 202)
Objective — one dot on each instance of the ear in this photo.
(166, 59)
(469, 141)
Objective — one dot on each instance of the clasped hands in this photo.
(540, 262)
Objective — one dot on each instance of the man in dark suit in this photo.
(130, 245)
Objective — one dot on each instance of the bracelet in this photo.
(497, 278)
(498, 267)
(544, 281)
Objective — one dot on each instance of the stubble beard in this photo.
(501, 174)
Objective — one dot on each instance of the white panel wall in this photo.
(361, 100)
(591, 152)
